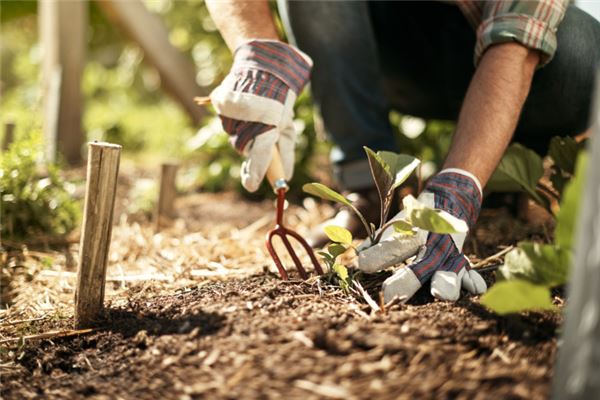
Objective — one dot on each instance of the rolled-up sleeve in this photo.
(531, 23)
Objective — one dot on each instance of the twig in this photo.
(493, 257)
(21, 321)
(50, 335)
(367, 297)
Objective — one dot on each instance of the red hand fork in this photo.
(276, 177)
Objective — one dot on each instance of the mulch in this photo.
(215, 322)
(259, 337)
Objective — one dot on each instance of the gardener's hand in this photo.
(255, 102)
(438, 257)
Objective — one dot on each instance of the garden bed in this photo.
(211, 319)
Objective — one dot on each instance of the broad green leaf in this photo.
(336, 249)
(543, 264)
(338, 234)
(519, 168)
(404, 228)
(322, 191)
(563, 151)
(569, 207)
(437, 221)
(400, 165)
(515, 296)
(342, 273)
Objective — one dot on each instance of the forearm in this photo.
(491, 109)
(239, 20)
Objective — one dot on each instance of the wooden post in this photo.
(63, 26)
(9, 135)
(148, 31)
(165, 206)
(577, 373)
(101, 186)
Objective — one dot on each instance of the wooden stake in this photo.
(102, 172)
(165, 207)
(9, 135)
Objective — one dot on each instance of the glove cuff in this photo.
(457, 192)
(282, 60)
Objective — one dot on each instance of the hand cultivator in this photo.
(276, 177)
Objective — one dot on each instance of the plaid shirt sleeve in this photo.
(533, 23)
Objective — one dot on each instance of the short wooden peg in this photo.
(165, 206)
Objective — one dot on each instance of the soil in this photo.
(259, 337)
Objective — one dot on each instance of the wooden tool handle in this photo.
(275, 173)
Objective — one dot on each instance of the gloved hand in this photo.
(255, 102)
(439, 257)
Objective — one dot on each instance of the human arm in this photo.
(240, 21)
(491, 109)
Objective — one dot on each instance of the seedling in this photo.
(389, 171)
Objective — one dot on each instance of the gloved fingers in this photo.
(403, 284)
(259, 153)
(388, 252)
(470, 280)
(445, 285)
(234, 104)
(473, 282)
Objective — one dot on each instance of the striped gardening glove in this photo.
(439, 257)
(255, 103)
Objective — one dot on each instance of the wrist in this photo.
(284, 61)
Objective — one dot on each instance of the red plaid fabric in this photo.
(267, 69)
(458, 195)
(533, 23)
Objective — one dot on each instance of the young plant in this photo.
(532, 269)
(342, 241)
(389, 171)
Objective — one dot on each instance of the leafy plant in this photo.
(532, 269)
(521, 170)
(34, 203)
(342, 241)
(389, 171)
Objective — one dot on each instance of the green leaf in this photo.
(338, 234)
(401, 166)
(342, 273)
(322, 191)
(516, 296)
(520, 168)
(569, 207)
(563, 151)
(389, 171)
(326, 257)
(336, 249)
(437, 221)
(404, 228)
(543, 264)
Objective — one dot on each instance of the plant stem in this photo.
(384, 227)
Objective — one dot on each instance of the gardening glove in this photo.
(440, 258)
(255, 103)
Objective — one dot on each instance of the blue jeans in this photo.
(417, 58)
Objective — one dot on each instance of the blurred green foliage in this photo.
(124, 103)
(36, 200)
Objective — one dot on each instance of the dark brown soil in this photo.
(259, 337)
